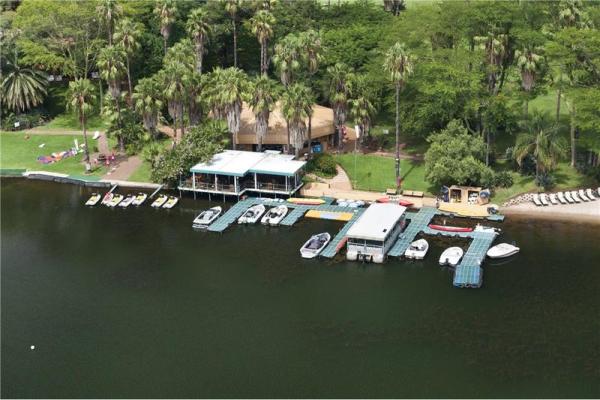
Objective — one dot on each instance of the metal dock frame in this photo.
(334, 246)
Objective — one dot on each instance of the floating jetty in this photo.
(468, 273)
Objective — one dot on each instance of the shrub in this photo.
(503, 179)
(547, 181)
(322, 164)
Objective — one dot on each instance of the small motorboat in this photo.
(536, 200)
(451, 256)
(251, 215)
(582, 195)
(590, 194)
(446, 228)
(307, 201)
(487, 229)
(417, 249)
(575, 196)
(553, 198)
(561, 198)
(171, 202)
(315, 245)
(107, 198)
(502, 250)
(544, 199)
(569, 198)
(127, 201)
(274, 215)
(139, 199)
(116, 199)
(160, 200)
(93, 200)
(205, 218)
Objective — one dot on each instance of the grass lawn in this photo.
(377, 173)
(142, 174)
(21, 153)
(69, 121)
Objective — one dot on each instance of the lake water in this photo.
(134, 303)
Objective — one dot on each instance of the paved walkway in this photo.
(341, 181)
(124, 168)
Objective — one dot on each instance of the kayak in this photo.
(308, 202)
(446, 228)
(404, 203)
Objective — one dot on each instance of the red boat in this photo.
(450, 228)
(404, 203)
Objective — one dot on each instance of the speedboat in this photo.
(561, 198)
(274, 215)
(160, 200)
(171, 202)
(582, 195)
(417, 249)
(251, 215)
(315, 245)
(107, 198)
(536, 199)
(127, 201)
(569, 197)
(575, 196)
(553, 198)
(451, 256)
(93, 200)
(502, 250)
(207, 217)
(116, 199)
(590, 194)
(139, 199)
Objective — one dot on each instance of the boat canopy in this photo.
(376, 222)
(239, 163)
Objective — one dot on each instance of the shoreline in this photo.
(578, 217)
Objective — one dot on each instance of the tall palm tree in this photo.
(399, 65)
(182, 52)
(262, 97)
(109, 10)
(339, 89)
(127, 35)
(175, 91)
(212, 93)
(311, 45)
(81, 97)
(112, 68)
(361, 106)
(232, 88)
(195, 83)
(166, 11)
(296, 106)
(199, 27)
(22, 88)
(529, 64)
(571, 14)
(147, 99)
(287, 58)
(495, 47)
(540, 139)
(262, 26)
(232, 7)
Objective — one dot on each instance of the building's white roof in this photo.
(239, 163)
(376, 221)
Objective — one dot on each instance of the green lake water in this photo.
(134, 303)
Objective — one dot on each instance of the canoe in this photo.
(307, 202)
(446, 228)
(404, 203)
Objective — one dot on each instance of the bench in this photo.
(412, 193)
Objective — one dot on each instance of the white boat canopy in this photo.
(376, 222)
(239, 163)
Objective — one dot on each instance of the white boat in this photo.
(127, 201)
(417, 249)
(561, 198)
(205, 218)
(160, 200)
(451, 256)
(107, 198)
(544, 199)
(575, 196)
(116, 199)
(590, 194)
(502, 250)
(139, 199)
(315, 245)
(569, 197)
(93, 200)
(171, 202)
(488, 229)
(251, 215)
(536, 200)
(274, 215)
(553, 199)
(582, 195)
(598, 191)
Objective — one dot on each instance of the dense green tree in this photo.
(81, 97)
(199, 28)
(262, 96)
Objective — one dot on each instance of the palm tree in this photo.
(199, 27)
(286, 58)
(540, 140)
(528, 63)
(165, 10)
(572, 15)
(182, 52)
(22, 88)
(361, 106)
(262, 26)
(495, 46)
(232, 88)
(148, 102)
(174, 85)
(339, 89)
(110, 62)
(212, 93)
(81, 96)
(296, 106)
(311, 46)
(399, 65)
(262, 95)
(127, 35)
(109, 10)
(195, 83)
(232, 7)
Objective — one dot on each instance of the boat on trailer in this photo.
(315, 245)
(274, 215)
(139, 199)
(93, 200)
(502, 250)
(451, 256)
(417, 249)
(252, 214)
(207, 217)
(160, 200)
(127, 201)
(447, 228)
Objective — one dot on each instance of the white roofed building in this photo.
(233, 172)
